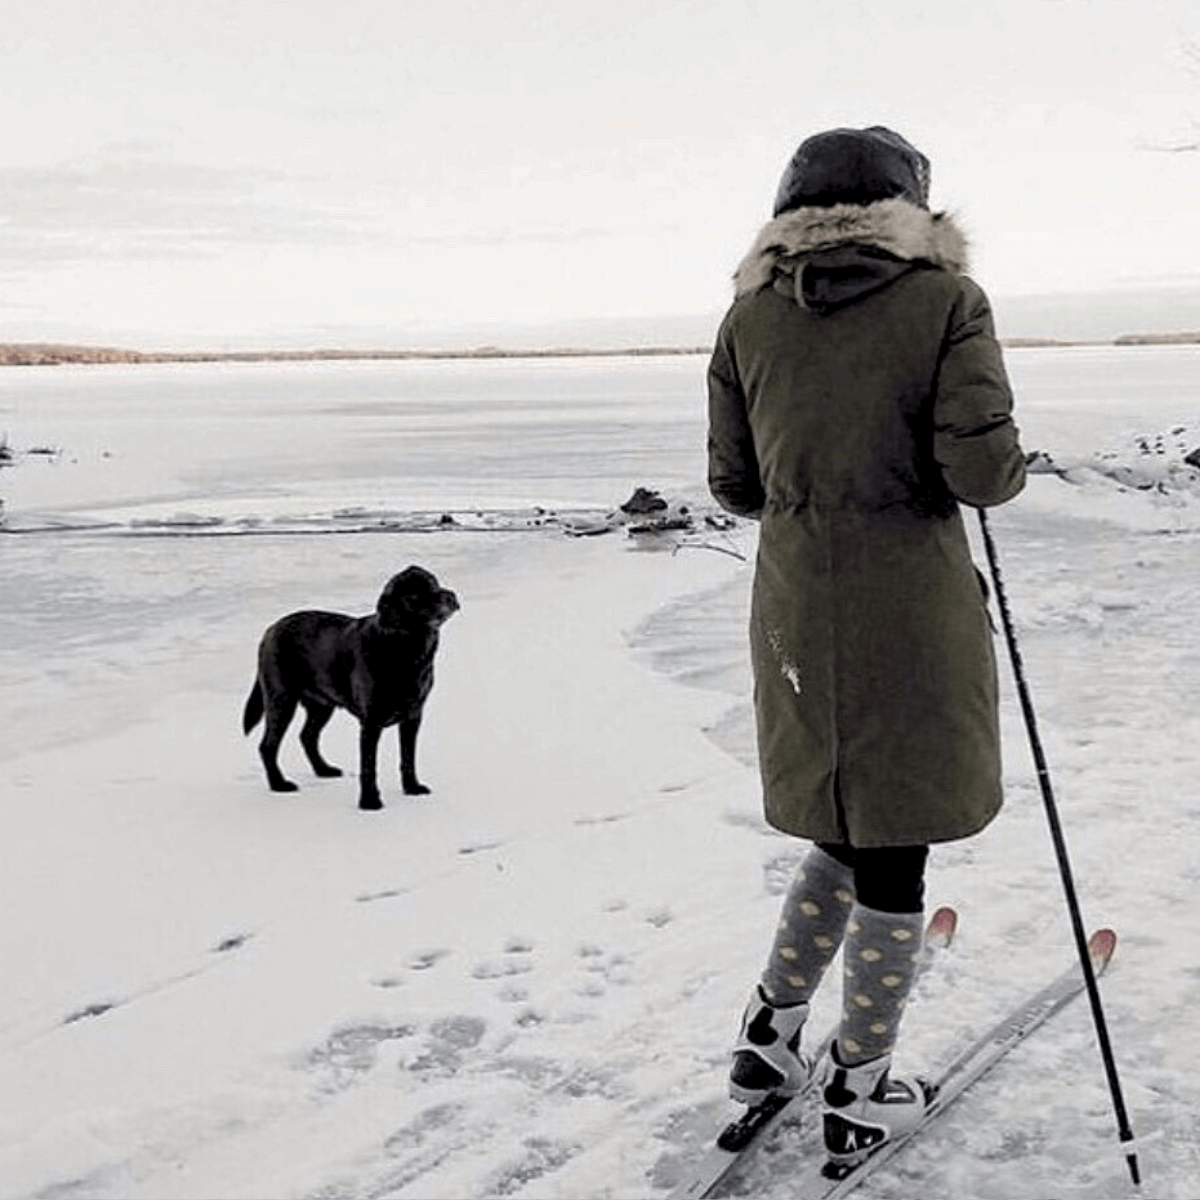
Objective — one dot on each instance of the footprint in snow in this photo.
(539, 1157)
(427, 1122)
(447, 1040)
(553, 1075)
(354, 1049)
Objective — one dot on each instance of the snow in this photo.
(526, 983)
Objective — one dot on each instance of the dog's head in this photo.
(414, 597)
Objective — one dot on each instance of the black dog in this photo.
(378, 667)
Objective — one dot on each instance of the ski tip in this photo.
(942, 927)
(1101, 946)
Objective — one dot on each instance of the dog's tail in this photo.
(253, 711)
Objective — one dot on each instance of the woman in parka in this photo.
(857, 396)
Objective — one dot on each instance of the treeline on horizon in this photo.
(32, 354)
(24, 354)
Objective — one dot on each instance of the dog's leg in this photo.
(408, 758)
(316, 720)
(279, 711)
(368, 747)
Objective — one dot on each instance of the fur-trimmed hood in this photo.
(895, 230)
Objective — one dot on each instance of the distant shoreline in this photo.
(38, 354)
(27, 354)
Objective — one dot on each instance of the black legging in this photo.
(886, 878)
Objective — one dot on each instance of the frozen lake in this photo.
(452, 434)
(456, 434)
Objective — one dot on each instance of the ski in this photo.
(827, 1182)
(738, 1137)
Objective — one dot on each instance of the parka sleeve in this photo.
(733, 475)
(975, 439)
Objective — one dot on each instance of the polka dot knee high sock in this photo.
(882, 950)
(810, 930)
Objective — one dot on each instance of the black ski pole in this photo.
(1060, 850)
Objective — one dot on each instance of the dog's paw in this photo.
(284, 785)
(413, 788)
(370, 803)
(328, 771)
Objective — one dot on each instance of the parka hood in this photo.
(827, 257)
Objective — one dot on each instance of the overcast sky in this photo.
(178, 173)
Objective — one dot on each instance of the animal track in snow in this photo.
(234, 942)
(605, 819)
(98, 1009)
(480, 847)
(384, 894)
(387, 982)
(424, 959)
(602, 968)
(501, 968)
(517, 960)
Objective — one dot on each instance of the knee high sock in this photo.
(881, 956)
(811, 927)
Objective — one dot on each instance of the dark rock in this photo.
(644, 501)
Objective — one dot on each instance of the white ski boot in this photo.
(766, 1058)
(865, 1106)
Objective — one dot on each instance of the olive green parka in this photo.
(857, 396)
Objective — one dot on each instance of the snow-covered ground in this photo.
(526, 983)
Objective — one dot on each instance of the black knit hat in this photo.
(853, 166)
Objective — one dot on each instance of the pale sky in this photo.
(269, 171)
